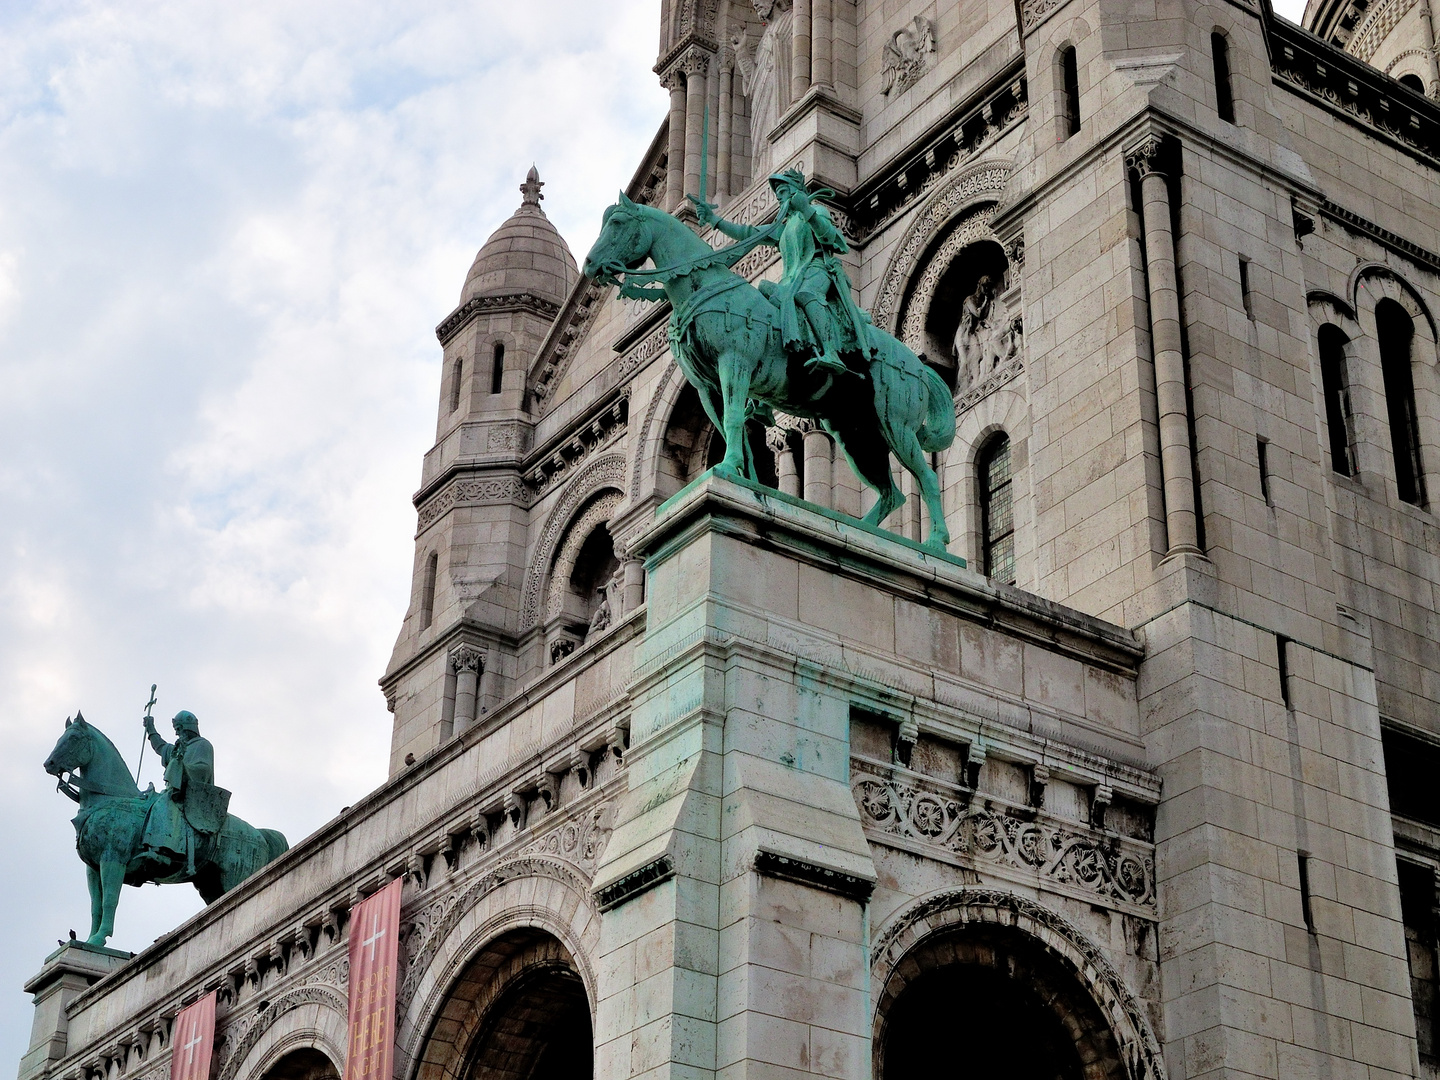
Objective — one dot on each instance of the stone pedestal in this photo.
(67, 972)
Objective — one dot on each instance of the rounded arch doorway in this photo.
(518, 1010)
(306, 1063)
(992, 1001)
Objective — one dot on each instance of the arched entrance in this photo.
(995, 1006)
(985, 983)
(518, 1011)
(306, 1063)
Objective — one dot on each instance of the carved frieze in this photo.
(982, 830)
(473, 491)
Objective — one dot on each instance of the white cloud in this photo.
(226, 235)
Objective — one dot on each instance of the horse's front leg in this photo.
(97, 897)
(112, 877)
(734, 393)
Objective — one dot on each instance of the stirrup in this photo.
(826, 362)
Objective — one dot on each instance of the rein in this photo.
(84, 785)
(634, 285)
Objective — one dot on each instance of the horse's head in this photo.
(73, 750)
(623, 243)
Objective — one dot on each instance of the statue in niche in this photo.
(987, 336)
(765, 76)
(607, 602)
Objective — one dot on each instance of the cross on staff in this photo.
(376, 935)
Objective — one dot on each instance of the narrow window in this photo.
(1069, 92)
(1262, 454)
(1224, 98)
(457, 377)
(1335, 381)
(1395, 330)
(1282, 667)
(1245, 289)
(1305, 909)
(1417, 907)
(1412, 82)
(497, 368)
(427, 590)
(997, 511)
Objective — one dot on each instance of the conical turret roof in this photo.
(525, 255)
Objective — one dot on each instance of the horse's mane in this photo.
(104, 740)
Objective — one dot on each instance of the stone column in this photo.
(778, 440)
(1176, 463)
(634, 591)
(467, 662)
(817, 467)
(800, 51)
(1427, 23)
(696, 63)
(722, 157)
(822, 47)
(674, 79)
(844, 486)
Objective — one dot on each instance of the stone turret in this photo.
(455, 653)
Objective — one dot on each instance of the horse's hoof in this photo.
(728, 472)
(97, 939)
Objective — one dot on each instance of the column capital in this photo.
(467, 658)
(1146, 156)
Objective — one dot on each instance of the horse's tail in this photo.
(938, 431)
(275, 841)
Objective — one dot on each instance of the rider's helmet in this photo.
(789, 180)
(187, 722)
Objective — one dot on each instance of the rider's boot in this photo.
(823, 323)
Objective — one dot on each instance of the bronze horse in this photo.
(111, 821)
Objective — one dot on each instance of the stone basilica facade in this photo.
(694, 779)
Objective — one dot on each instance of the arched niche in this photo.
(948, 967)
(584, 584)
(304, 1026)
(963, 324)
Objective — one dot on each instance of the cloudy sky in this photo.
(226, 234)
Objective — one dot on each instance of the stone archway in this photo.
(306, 1063)
(989, 961)
(518, 1010)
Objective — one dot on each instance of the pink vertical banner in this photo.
(192, 1038)
(374, 952)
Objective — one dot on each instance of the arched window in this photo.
(1224, 97)
(1413, 82)
(457, 377)
(1335, 380)
(1069, 92)
(997, 510)
(1394, 328)
(497, 368)
(427, 590)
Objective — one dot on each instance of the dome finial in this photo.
(530, 189)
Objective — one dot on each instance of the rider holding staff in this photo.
(189, 760)
(812, 280)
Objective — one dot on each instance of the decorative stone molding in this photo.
(480, 305)
(473, 491)
(1376, 27)
(559, 343)
(951, 910)
(1005, 373)
(906, 55)
(600, 431)
(877, 202)
(607, 471)
(987, 831)
(580, 841)
(434, 923)
(278, 1007)
(1035, 12)
(467, 658)
(1356, 92)
(819, 877)
(976, 188)
(634, 883)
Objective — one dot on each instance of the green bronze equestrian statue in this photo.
(126, 836)
(801, 346)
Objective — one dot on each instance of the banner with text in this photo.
(192, 1039)
(374, 950)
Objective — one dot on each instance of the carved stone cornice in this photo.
(472, 491)
(481, 305)
(677, 52)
